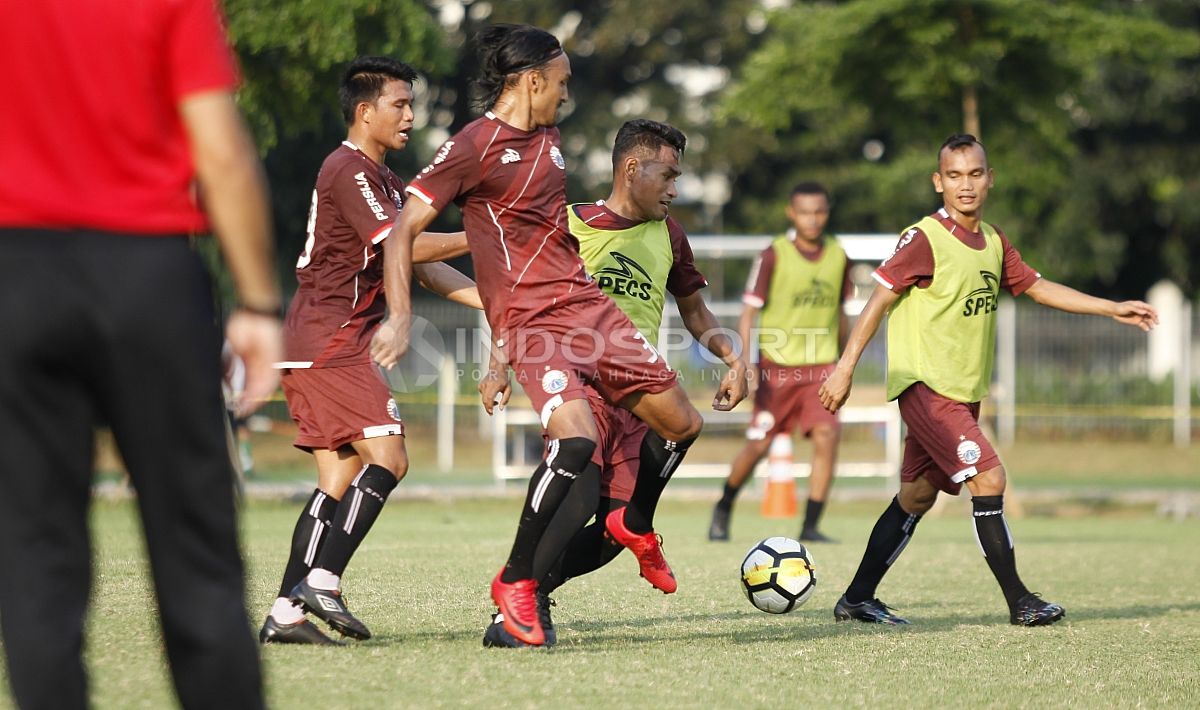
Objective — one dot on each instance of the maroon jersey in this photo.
(340, 273)
(684, 278)
(912, 262)
(511, 187)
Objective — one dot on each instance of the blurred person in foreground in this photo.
(118, 141)
(942, 287)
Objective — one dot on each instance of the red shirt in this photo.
(683, 279)
(339, 300)
(511, 187)
(758, 284)
(90, 132)
(912, 262)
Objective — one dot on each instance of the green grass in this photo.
(1128, 580)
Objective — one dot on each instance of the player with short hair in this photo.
(941, 287)
(549, 320)
(338, 398)
(637, 254)
(798, 285)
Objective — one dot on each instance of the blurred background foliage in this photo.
(1090, 109)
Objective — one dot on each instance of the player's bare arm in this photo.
(449, 283)
(1065, 298)
(235, 193)
(495, 388)
(429, 247)
(836, 389)
(746, 322)
(704, 327)
(391, 340)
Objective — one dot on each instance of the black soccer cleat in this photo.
(1032, 610)
(814, 535)
(871, 611)
(718, 529)
(497, 636)
(329, 605)
(301, 632)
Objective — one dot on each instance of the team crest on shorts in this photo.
(557, 156)
(554, 381)
(969, 452)
(393, 410)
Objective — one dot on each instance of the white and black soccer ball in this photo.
(778, 575)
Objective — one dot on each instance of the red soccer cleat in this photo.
(518, 603)
(648, 550)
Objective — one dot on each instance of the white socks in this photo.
(284, 612)
(323, 579)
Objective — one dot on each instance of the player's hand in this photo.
(495, 388)
(390, 341)
(835, 390)
(1136, 313)
(258, 340)
(733, 388)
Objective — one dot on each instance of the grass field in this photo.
(1128, 579)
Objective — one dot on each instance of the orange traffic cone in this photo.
(780, 499)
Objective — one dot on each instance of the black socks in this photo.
(891, 533)
(995, 541)
(565, 460)
(356, 513)
(308, 538)
(658, 460)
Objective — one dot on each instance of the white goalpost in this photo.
(513, 427)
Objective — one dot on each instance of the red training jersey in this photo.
(511, 187)
(90, 134)
(912, 262)
(340, 297)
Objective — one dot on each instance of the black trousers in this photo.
(116, 329)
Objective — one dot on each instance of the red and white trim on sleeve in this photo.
(419, 194)
(752, 300)
(882, 281)
(382, 234)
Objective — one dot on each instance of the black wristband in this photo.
(265, 312)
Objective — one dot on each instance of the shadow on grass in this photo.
(583, 635)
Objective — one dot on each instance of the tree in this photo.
(861, 93)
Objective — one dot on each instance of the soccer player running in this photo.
(798, 285)
(560, 334)
(636, 253)
(346, 416)
(941, 286)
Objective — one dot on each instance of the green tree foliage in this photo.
(861, 93)
(293, 52)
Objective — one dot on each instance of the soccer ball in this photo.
(778, 575)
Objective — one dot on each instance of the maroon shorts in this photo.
(618, 448)
(334, 406)
(944, 442)
(585, 344)
(786, 400)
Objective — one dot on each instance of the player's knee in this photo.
(824, 437)
(688, 427)
(396, 462)
(571, 454)
(917, 501)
